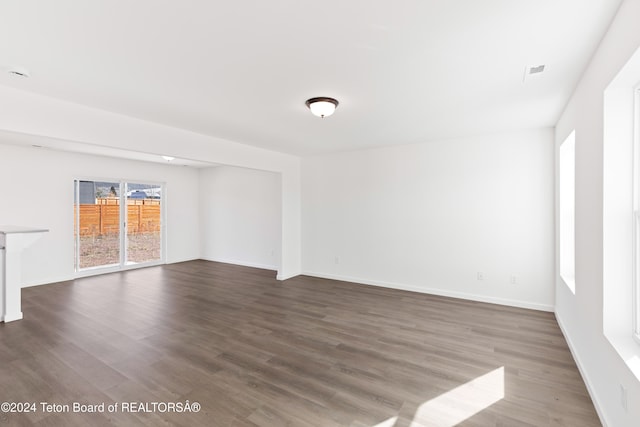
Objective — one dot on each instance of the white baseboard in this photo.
(12, 317)
(285, 276)
(242, 263)
(49, 281)
(583, 373)
(436, 291)
(178, 260)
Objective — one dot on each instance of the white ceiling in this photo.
(404, 71)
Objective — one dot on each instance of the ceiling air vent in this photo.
(537, 69)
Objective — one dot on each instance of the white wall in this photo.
(30, 114)
(582, 316)
(240, 214)
(429, 217)
(36, 189)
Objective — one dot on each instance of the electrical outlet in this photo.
(623, 397)
(480, 275)
(514, 280)
(336, 260)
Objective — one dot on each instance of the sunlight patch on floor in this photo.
(391, 422)
(461, 403)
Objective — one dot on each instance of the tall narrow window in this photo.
(567, 210)
(117, 224)
(636, 215)
(620, 207)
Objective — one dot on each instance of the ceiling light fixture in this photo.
(168, 158)
(322, 106)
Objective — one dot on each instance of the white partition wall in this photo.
(13, 241)
(240, 211)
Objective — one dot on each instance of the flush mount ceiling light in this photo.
(322, 106)
(168, 158)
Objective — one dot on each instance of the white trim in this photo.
(583, 373)
(51, 281)
(635, 282)
(76, 219)
(12, 317)
(436, 291)
(124, 221)
(242, 263)
(285, 277)
(163, 223)
(115, 268)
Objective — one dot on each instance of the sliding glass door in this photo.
(117, 224)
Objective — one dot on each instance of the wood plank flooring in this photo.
(253, 351)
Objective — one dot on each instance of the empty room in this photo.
(337, 213)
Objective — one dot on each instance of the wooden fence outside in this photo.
(105, 218)
(116, 201)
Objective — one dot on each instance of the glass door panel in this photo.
(144, 228)
(97, 224)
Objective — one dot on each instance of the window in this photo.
(621, 204)
(636, 216)
(567, 169)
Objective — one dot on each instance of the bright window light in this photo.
(463, 402)
(391, 422)
(567, 210)
(621, 214)
(459, 404)
(636, 222)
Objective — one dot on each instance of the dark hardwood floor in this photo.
(304, 352)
